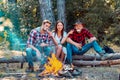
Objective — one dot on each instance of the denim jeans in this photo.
(45, 51)
(73, 49)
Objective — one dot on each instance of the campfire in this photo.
(52, 67)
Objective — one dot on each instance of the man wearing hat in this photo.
(76, 43)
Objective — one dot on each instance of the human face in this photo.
(46, 26)
(59, 26)
(78, 27)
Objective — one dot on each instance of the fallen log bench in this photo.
(78, 60)
(16, 59)
(95, 60)
(96, 63)
(90, 57)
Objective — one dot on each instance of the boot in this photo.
(105, 55)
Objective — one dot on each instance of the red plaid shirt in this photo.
(80, 37)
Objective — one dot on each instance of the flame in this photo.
(52, 67)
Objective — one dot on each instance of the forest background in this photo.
(18, 17)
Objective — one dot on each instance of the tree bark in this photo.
(46, 11)
(94, 57)
(61, 11)
(86, 57)
(96, 63)
(14, 59)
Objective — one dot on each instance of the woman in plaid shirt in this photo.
(38, 44)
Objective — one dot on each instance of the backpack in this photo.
(108, 49)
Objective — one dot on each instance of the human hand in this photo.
(49, 33)
(38, 53)
(92, 39)
(43, 44)
(79, 46)
(70, 32)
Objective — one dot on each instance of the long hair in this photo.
(62, 32)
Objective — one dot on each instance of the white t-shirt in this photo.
(59, 40)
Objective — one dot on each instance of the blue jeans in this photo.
(31, 53)
(73, 49)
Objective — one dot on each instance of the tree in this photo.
(14, 14)
(61, 11)
(46, 11)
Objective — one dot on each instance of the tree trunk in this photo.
(46, 11)
(14, 59)
(96, 63)
(61, 11)
(94, 57)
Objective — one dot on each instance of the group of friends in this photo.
(42, 43)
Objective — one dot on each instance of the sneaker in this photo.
(106, 56)
(76, 72)
(68, 67)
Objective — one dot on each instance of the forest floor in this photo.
(14, 72)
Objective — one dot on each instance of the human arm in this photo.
(90, 36)
(78, 45)
(65, 37)
(69, 40)
(92, 39)
(54, 40)
(34, 48)
(31, 41)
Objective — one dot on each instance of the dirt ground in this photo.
(13, 71)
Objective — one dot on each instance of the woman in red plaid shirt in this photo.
(76, 43)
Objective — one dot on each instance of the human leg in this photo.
(69, 53)
(58, 51)
(46, 52)
(97, 48)
(64, 53)
(30, 53)
(62, 56)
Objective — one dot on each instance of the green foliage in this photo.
(29, 16)
(101, 17)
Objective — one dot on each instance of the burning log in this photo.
(96, 63)
(52, 67)
(94, 56)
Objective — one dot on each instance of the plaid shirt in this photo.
(80, 37)
(36, 38)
